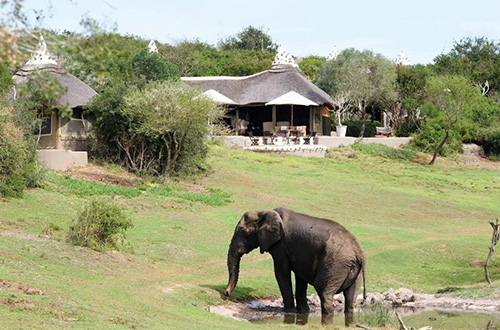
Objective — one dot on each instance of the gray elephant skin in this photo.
(320, 252)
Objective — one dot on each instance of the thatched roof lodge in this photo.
(252, 108)
(57, 132)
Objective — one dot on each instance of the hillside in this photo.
(423, 227)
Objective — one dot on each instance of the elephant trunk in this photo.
(233, 265)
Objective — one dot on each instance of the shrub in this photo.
(100, 225)
(18, 162)
(432, 134)
(406, 129)
(354, 127)
(490, 139)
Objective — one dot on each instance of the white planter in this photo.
(341, 130)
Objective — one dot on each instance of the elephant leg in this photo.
(283, 275)
(327, 307)
(301, 295)
(350, 300)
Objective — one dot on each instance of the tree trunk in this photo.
(494, 240)
(440, 146)
(363, 125)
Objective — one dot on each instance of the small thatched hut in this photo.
(252, 93)
(57, 132)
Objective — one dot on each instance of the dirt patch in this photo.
(19, 287)
(100, 174)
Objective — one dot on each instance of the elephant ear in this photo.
(270, 229)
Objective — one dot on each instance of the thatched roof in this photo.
(262, 87)
(77, 92)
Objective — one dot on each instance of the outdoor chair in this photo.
(307, 139)
(293, 137)
(253, 139)
(281, 136)
(267, 137)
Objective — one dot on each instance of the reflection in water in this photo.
(419, 318)
(296, 318)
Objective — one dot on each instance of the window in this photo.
(46, 127)
(78, 123)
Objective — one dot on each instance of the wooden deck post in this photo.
(236, 129)
(57, 122)
(274, 117)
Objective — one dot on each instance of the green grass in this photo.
(423, 227)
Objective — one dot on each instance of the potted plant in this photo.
(341, 106)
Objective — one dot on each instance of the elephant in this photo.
(320, 252)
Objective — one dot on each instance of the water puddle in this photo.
(417, 311)
(416, 319)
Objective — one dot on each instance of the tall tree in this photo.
(251, 38)
(449, 94)
(310, 65)
(365, 78)
(477, 59)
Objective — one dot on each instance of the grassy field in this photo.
(423, 227)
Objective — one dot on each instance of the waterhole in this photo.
(412, 318)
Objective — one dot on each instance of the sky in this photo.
(421, 29)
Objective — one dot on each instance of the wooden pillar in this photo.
(236, 129)
(311, 119)
(57, 123)
(274, 116)
(320, 130)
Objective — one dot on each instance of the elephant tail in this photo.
(362, 261)
(364, 282)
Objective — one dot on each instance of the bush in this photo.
(100, 225)
(490, 139)
(432, 134)
(406, 129)
(354, 127)
(18, 164)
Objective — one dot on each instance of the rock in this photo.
(405, 295)
(314, 300)
(339, 299)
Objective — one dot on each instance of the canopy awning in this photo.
(292, 98)
(218, 97)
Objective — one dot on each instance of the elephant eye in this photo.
(243, 231)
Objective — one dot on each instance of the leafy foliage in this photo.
(152, 67)
(474, 58)
(449, 95)
(168, 116)
(18, 164)
(354, 127)
(100, 225)
(251, 38)
(310, 66)
(365, 78)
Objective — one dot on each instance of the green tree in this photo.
(152, 66)
(477, 59)
(251, 38)
(449, 94)
(365, 78)
(310, 65)
(171, 114)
